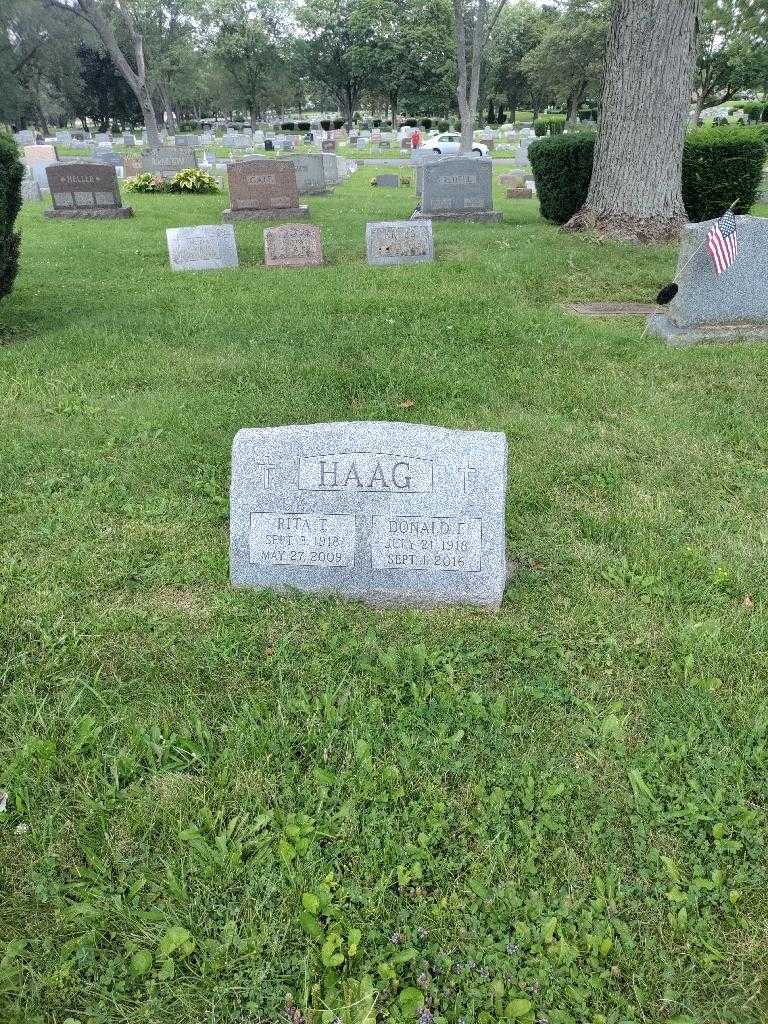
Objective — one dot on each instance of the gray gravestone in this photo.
(458, 188)
(393, 242)
(262, 189)
(310, 174)
(85, 191)
(206, 247)
(30, 190)
(108, 156)
(390, 513)
(388, 180)
(165, 161)
(711, 308)
(331, 169)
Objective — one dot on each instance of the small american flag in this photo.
(722, 244)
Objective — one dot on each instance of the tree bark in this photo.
(635, 192)
(90, 11)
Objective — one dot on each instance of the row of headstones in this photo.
(214, 247)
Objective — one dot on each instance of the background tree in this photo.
(103, 16)
(567, 63)
(403, 48)
(327, 48)
(473, 23)
(635, 189)
(731, 54)
(520, 29)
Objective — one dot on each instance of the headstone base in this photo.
(91, 213)
(287, 213)
(660, 325)
(519, 193)
(487, 216)
(315, 191)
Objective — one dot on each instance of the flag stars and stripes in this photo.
(722, 242)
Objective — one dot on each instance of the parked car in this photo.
(449, 143)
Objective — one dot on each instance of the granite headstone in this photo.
(261, 189)
(391, 243)
(389, 513)
(165, 161)
(206, 247)
(85, 191)
(708, 307)
(458, 188)
(293, 245)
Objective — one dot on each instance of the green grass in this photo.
(219, 797)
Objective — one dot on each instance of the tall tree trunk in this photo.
(635, 192)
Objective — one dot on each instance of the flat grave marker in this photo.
(391, 243)
(205, 247)
(389, 513)
(293, 245)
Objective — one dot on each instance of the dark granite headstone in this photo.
(85, 191)
(262, 189)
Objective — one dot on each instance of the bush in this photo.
(562, 167)
(339, 122)
(302, 126)
(325, 125)
(11, 173)
(144, 183)
(287, 126)
(191, 181)
(752, 108)
(549, 124)
(426, 124)
(411, 122)
(443, 126)
(721, 166)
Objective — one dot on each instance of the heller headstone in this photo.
(206, 247)
(458, 188)
(727, 307)
(391, 243)
(389, 513)
(262, 189)
(293, 245)
(84, 191)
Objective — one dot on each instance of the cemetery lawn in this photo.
(218, 797)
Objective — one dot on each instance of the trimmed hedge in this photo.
(562, 167)
(11, 173)
(549, 124)
(720, 166)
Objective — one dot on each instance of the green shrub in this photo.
(562, 167)
(144, 183)
(191, 181)
(752, 108)
(426, 123)
(549, 124)
(338, 122)
(11, 173)
(721, 166)
(443, 126)
(302, 126)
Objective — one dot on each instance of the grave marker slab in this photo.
(457, 188)
(388, 180)
(165, 161)
(389, 513)
(85, 191)
(262, 189)
(293, 245)
(725, 308)
(391, 243)
(206, 247)
(310, 174)
(331, 169)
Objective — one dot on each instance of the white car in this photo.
(450, 143)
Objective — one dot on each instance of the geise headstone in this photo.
(726, 307)
(388, 513)
(457, 188)
(261, 189)
(293, 245)
(310, 174)
(85, 191)
(205, 247)
(390, 243)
